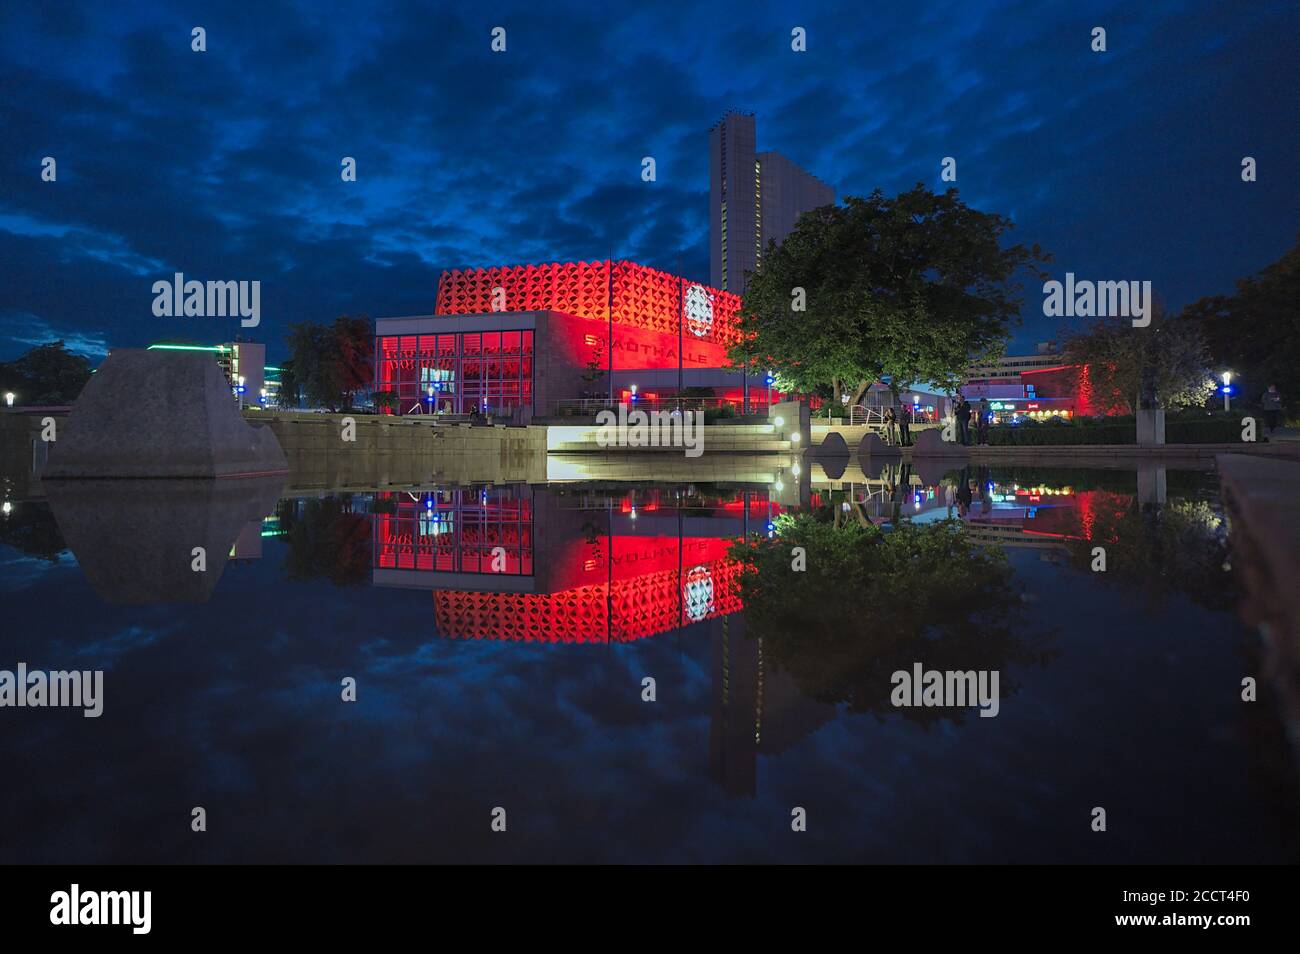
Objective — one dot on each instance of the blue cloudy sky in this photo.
(225, 164)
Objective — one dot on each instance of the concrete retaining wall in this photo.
(397, 450)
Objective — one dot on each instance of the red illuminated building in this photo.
(563, 574)
(524, 340)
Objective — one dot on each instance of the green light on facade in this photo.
(171, 347)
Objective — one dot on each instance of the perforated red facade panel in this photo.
(643, 297)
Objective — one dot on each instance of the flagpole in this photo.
(681, 340)
(610, 312)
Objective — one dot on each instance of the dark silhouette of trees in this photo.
(47, 374)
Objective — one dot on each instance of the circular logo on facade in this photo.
(699, 311)
(697, 594)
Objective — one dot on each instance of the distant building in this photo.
(1030, 386)
(1008, 368)
(753, 197)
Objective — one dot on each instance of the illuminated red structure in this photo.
(642, 298)
(557, 577)
(524, 339)
(1066, 383)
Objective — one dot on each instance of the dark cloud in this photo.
(226, 164)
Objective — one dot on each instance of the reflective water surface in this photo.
(500, 638)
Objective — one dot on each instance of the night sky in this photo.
(225, 164)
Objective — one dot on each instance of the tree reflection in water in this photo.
(1174, 549)
(326, 538)
(872, 602)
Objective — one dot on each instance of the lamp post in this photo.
(1227, 391)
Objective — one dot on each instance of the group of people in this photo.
(898, 423)
(967, 415)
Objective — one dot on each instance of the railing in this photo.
(590, 407)
(874, 415)
(870, 416)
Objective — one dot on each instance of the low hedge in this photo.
(1039, 435)
(1215, 430)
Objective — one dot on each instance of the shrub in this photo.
(1180, 428)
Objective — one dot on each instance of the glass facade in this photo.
(489, 371)
(455, 531)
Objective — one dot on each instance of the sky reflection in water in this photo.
(522, 688)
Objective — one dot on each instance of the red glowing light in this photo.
(637, 297)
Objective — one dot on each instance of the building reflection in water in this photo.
(585, 567)
(571, 564)
(535, 564)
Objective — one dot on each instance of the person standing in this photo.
(1272, 402)
(982, 422)
(891, 435)
(963, 420)
(904, 419)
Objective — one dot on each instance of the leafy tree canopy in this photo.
(911, 288)
(1172, 349)
(331, 363)
(47, 374)
(1256, 332)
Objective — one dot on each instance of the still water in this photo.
(501, 639)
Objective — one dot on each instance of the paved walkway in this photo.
(1263, 500)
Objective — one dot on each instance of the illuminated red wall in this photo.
(651, 589)
(1061, 382)
(644, 299)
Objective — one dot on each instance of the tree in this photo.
(593, 372)
(333, 362)
(47, 374)
(1256, 332)
(290, 387)
(354, 341)
(909, 289)
(1115, 354)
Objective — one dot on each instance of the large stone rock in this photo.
(161, 414)
(930, 443)
(872, 448)
(832, 445)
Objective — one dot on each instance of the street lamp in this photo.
(1227, 390)
(9, 398)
